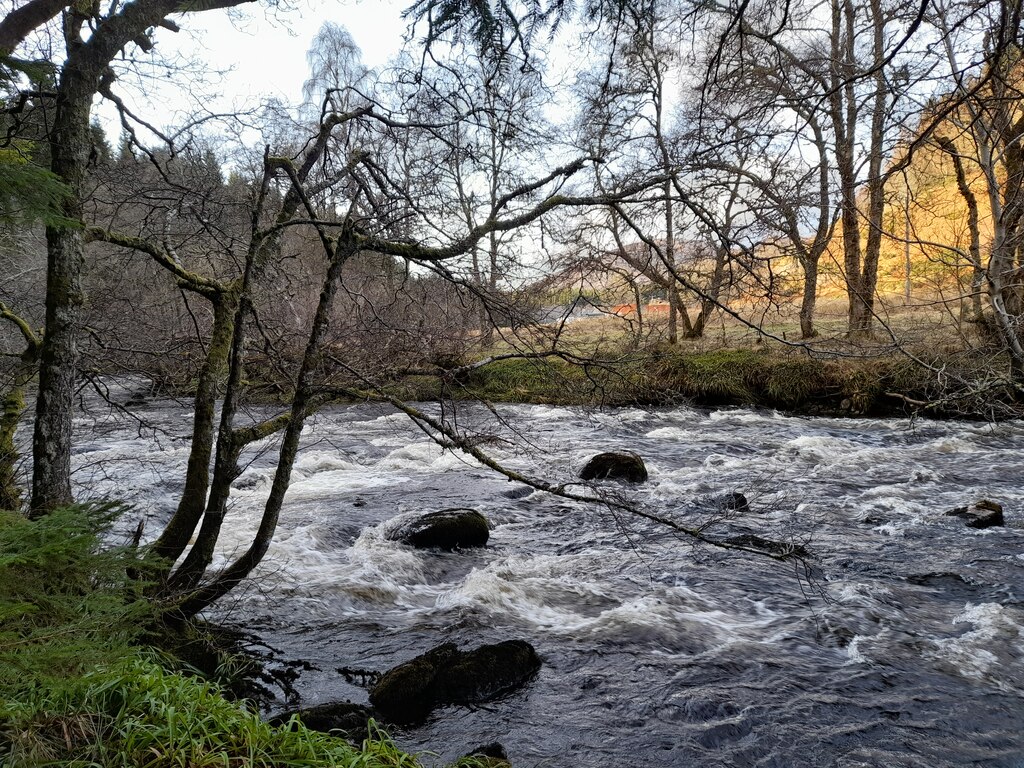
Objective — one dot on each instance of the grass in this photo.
(136, 714)
(922, 359)
(78, 688)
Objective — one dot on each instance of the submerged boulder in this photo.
(980, 514)
(729, 502)
(344, 716)
(615, 465)
(446, 675)
(446, 529)
(519, 492)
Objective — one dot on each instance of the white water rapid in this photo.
(905, 649)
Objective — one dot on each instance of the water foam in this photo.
(984, 651)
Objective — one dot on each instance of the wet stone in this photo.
(445, 675)
(780, 548)
(729, 502)
(519, 492)
(488, 756)
(615, 465)
(980, 514)
(345, 717)
(446, 529)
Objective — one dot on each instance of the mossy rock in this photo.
(615, 465)
(485, 756)
(350, 719)
(405, 694)
(445, 675)
(446, 529)
(487, 672)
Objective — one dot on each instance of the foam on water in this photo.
(669, 433)
(742, 416)
(425, 456)
(993, 644)
(312, 462)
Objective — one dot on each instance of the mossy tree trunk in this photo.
(809, 300)
(176, 534)
(51, 441)
(87, 62)
(344, 249)
(11, 409)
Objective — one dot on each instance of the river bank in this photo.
(822, 384)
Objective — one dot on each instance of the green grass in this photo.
(765, 376)
(78, 688)
(136, 714)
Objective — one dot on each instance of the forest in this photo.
(663, 212)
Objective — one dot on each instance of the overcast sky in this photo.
(250, 54)
(268, 52)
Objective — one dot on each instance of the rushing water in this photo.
(906, 649)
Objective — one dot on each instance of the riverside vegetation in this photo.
(83, 681)
(795, 381)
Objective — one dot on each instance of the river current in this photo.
(904, 647)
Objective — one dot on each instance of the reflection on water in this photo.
(908, 650)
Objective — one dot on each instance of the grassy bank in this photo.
(796, 382)
(79, 687)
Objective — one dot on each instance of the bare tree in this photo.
(981, 131)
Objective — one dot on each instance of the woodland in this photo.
(812, 205)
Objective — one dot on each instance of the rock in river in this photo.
(487, 756)
(446, 529)
(615, 465)
(351, 719)
(780, 548)
(980, 514)
(446, 675)
(729, 502)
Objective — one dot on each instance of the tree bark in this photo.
(243, 566)
(11, 409)
(179, 529)
(70, 144)
(51, 443)
(809, 300)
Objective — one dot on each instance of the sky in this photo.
(267, 51)
(244, 56)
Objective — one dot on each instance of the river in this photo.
(904, 648)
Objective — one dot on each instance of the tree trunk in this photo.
(12, 407)
(492, 287)
(670, 259)
(843, 111)
(876, 180)
(710, 301)
(182, 525)
(809, 300)
(244, 565)
(70, 142)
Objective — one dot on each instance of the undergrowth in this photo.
(663, 375)
(78, 688)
